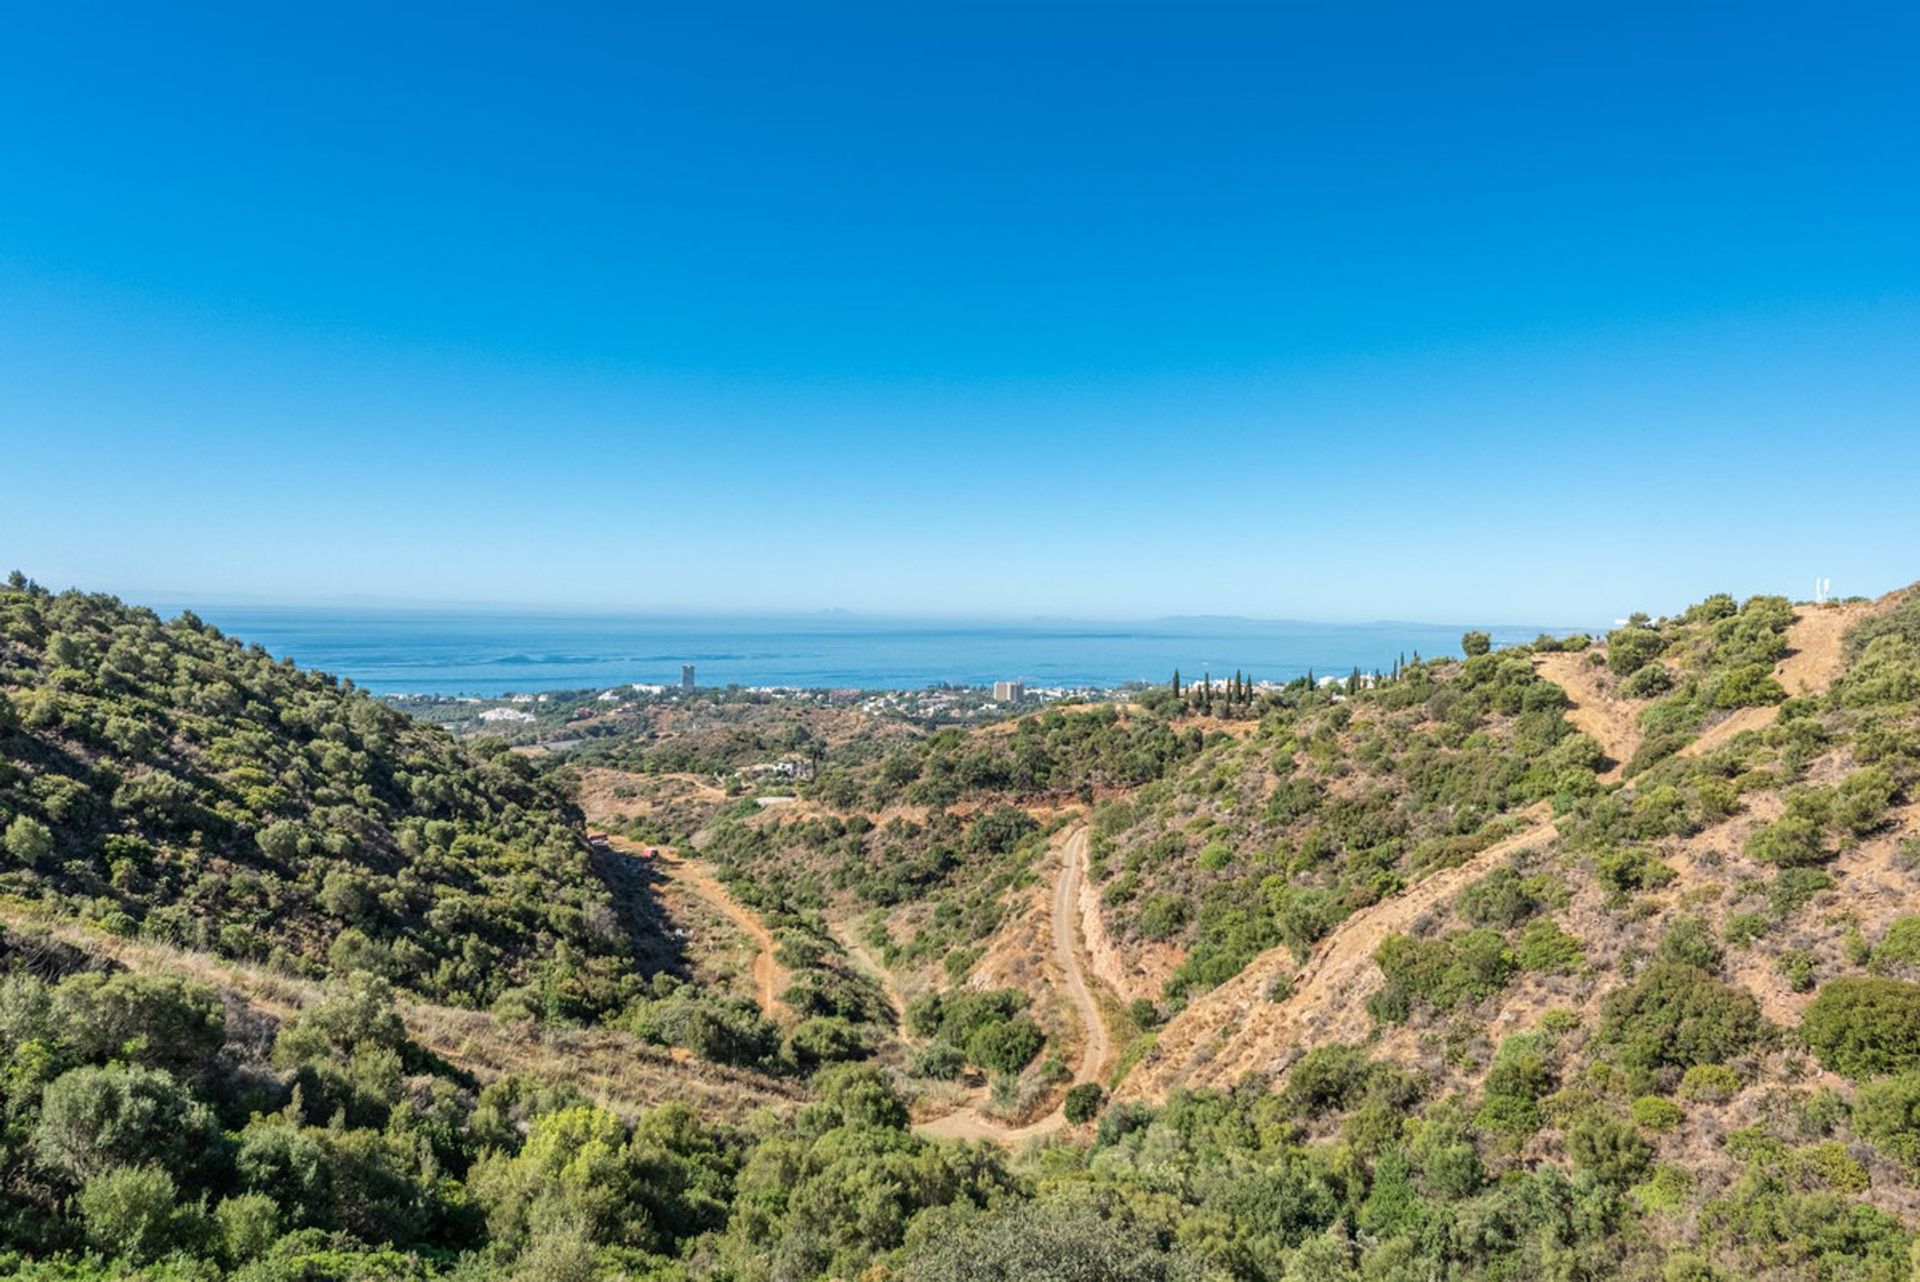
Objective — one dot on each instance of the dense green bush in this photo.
(1083, 1103)
(1442, 973)
(1676, 1016)
(1633, 648)
(1865, 1027)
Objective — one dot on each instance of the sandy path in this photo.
(1237, 1028)
(969, 1123)
(1612, 722)
(770, 978)
(1817, 651)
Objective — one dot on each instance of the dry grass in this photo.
(615, 1069)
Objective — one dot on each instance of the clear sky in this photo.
(1535, 312)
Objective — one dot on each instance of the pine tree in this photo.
(1176, 683)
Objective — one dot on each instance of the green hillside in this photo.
(167, 782)
(1588, 959)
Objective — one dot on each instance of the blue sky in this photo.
(1524, 312)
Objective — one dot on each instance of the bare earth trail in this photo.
(1611, 722)
(1817, 651)
(770, 978)
(968, 1122)
(870, 966)
(1237, 1028)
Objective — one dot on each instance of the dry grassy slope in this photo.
(1237, 1029)
(615, 1069)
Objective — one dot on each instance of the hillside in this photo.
(1591, 958)
(167, 782)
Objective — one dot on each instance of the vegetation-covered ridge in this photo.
(1440, 974)
(165, 781)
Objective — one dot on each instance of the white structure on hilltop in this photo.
(1009, 691)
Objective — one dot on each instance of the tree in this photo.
(1475, 644)
(92, 1119)
(132, 1212)
(28, 840)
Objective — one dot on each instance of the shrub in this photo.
(1750, 685)
(28, 840)
(1886, 1113)
(131, 1212)
(1631, 868)
(158, 1020)
(1083, 1103)
(248, 1223)
(1687, 941)
(1548, 950)
(1501, 898)
(1162, 916)
(1608, 1148)
(1005, 1046)
(1899, 948)
(1647, 682)
(1789, 841)
(941, 1061)
(1709, 1084)
(1796, 967)
(1326, 1079)
(1474, 644)
(1677, 1016)
(1632, 648)
(1445, 973)
(1053, 1241)
(92, 1119)
(1865, 1027)
(1860, 802)
(1657, 1113)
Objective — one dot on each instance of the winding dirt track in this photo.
(969, 1122)
(1611, 722)
(1817, 651)
(770, 979)
(1237, 1028)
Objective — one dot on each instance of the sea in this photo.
(492, 653)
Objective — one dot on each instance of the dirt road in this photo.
(969, 1122)
(1817, 651)
(1612, 723)
(770, 978)
(1237, 1028)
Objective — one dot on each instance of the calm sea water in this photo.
(487, 653)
